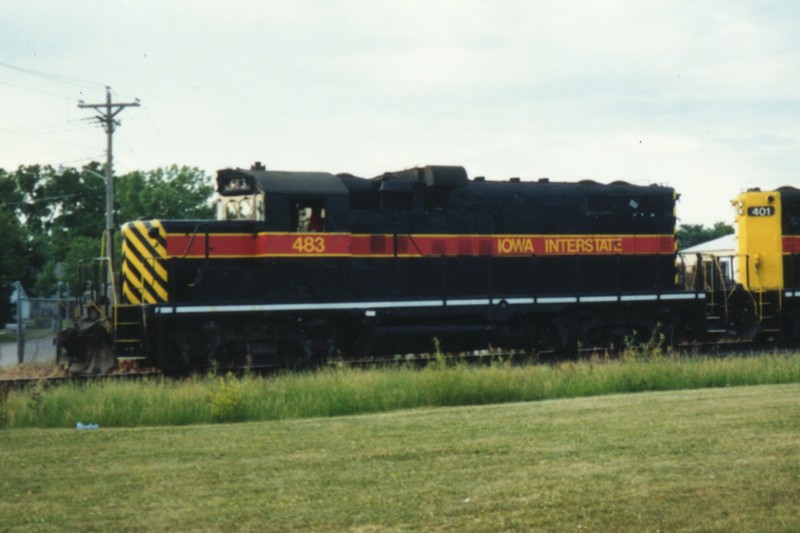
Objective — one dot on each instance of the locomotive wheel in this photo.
(291, 351)
(230, 356)
(175, 359)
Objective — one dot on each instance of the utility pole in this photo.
(20, 324)
(105, 116)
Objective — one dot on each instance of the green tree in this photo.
(14, 250)
(62, 212)
(77, 206)
(55, 207)
(56, 203)
(692, 234)
(169, 193)
(66, 267)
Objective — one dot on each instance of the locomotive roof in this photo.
(325, 183)
(272, 181)
(587, 185)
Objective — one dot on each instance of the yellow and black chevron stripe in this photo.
(144, 247)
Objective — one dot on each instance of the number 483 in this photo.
(309, 245)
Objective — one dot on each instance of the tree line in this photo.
(53, 218)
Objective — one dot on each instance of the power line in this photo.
(37, 91)
(54, 77)
(155, 127)
(45, 127)
(50, 199)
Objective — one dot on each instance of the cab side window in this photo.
(308, 216)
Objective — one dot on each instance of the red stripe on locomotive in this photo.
(340, 244)
(791, 244)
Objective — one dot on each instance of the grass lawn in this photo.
(723, 459)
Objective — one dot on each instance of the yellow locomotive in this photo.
(752, 284)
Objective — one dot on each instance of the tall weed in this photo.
(336, 391)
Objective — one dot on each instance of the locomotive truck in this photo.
(308, 266)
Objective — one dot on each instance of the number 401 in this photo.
(761, 211)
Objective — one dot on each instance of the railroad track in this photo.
(21, 383)
(717, 349)
(415, 360)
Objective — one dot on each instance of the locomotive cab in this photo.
(759, 264)
(239, 198)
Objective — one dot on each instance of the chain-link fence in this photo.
(30, 338)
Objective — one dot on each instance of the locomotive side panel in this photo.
(790, 223)
(224, 274)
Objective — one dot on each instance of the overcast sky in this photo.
(700, 95)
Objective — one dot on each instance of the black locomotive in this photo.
(303, 266)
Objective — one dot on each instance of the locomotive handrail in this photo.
(689, 281)
(191, 240)
(112, 278)
(759, 304)
(411, 238)
(110, 265)
(91, 297)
